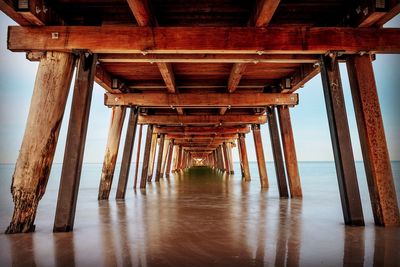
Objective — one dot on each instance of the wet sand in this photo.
(203, 218)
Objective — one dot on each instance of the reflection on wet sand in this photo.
(203, 218)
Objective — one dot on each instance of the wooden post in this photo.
(75, 144)
(243, 152)
(231, 168)
(262, 169)
(373, 142)
(138, 155)
(277, 152)
(170, 155)
(179, 158)
(111, 154)
(160, 157)
(164, 158)
(221, 158)
(175, 158)
(36, 155)
(146, 156)
(152, 158)
(341, 143)
(127, 156)
(240, 158)
(225, 152)
(289, 150)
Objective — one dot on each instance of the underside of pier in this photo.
(201, 75)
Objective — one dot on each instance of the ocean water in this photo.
(203, 218)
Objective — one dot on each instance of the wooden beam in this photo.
(201, 119)
(209, 58)
(36, 155)
(341, 142)
(304, 73)
(223, 110)
(202, 130)
(160, 157)
(226, 158)
(110, 156)
(373, 13)
(75, 144)
(164, 157)
(222, 40)
(37, 12)
(169, 158)
(289, 151)
(180, 111)
(152, 158)
(245, 160)
(230, 158)
(277, 152)
(8, 7)
(127, 154)
(373, 142)
(200, 99)
(237, 71)
(204, 136)
(263, 13)
(141, 11)
(146, 157)
(168, 75)
(138, 156)
(104, 79)
(262, 169)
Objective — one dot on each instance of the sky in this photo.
(309, 119)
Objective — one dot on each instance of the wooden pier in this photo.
(201, 76)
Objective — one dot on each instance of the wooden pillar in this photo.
(341, 143)
(277, 152)
(221, 159)
(262, 169)
(289, 150)
(160, 157)
(373, 142)
(75, 144)
(36, 155)
(146, 156)
(230, 157)
(240, 158)
(152, 158)
(127, 156)
(164, 158)
(111, 154)
(175, 158)
(138, 155)
(226, 161)
(243, 152)
(169, 160)
(179, 158)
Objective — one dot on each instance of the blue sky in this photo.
(310, 125)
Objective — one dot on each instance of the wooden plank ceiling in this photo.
(239, 73)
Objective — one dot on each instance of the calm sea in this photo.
(318, 182)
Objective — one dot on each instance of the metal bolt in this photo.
(55, 35)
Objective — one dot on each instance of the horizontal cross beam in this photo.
(204, 136)
(224, 40)
(200, 99)
(201, 119)
(201, 130)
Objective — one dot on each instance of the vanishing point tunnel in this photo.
(201, 75)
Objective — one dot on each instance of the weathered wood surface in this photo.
(146, 156)
(141, 11)
(277, 152)
(36, 155)
(164, 157)
(127, 154)
(202, 130)
(104, 79)
(237, 71)
(209, 58)
(263, 12)
(245, 160)
(200, 99)
(230, 157)
(169, 158)
(373, 142)
(116, 39)
(153, 149)
(341, 142)
(289, 150)
(240, 158)
(226, 159)
(168, 75)
(138, 156)
(171, 120)
(160, 157)
(75, 144)
(111, 153)
(262, 169)
(189, 136)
